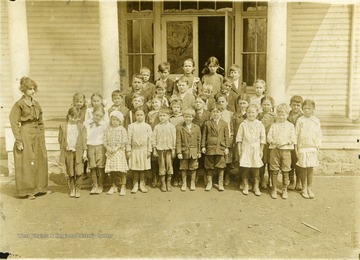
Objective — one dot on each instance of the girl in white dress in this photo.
(140, 140)
(250, 140)
(308, 136)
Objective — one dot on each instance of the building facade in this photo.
(302, 48)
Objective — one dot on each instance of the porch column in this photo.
(18, 45)
(276, 50)
(109, 42)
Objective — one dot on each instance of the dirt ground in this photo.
(179, 224)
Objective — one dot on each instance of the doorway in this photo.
(211, 31)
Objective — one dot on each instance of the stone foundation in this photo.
(339, 161)
(331, 162)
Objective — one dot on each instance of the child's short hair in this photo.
(227, 80)
(164, 66)
(219, 95)
(184, 79)
(138, 76)
(26, 83)
(189, 111)
(214, 109)
(234, 67)
(142, 69)
(99, 108)
(165, 110)
(309, 102)
(191, 60)
(73, 111)
(252, 106)
(282, 107)
(176, 102)
(296, 99)
(137, 95)
(141, 108)
(78, 96)
(202, 96)
(156, 98)
(245, 97)
(117, 92)
(272, 101)
(160, 84)
(260, 82)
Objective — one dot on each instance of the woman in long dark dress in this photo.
(31, 167)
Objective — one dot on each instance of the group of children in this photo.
(172, 130)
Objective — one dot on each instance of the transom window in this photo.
(197, 6)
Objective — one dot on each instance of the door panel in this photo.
(229, 41)
(179, 41)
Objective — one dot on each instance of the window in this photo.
(140, 50)
(254, 41)
(197, 6)
(139, 6)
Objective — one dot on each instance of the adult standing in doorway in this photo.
(31, 166)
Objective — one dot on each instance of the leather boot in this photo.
(122, 190)
(309, 183)
(71, 186)
(246, 187)
(77, 186)
(292, 180)
(135, 182)
(256, 187)
(168, 183)
(101, 178)
(142, 183)
(183, 176)
(285, 185)
(193, 178)
(227, 176)
(298, 185)
(221, 180)
(274, 188)
(303, 175)
(262, 177)
(154, 180)
(209, 184)
(163, 184)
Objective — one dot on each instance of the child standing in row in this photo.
(250, 140)
(215, 143)
(281, 138)
(238, 87)
(140, 141)
(73, 149)
(260, 87)
(116, 144)
(164, 71)
(211, 76)
(118, 100)
(295, 113)
(79, 101)
(187, 97)
(96, 150)
(163, 142)
(188, 140)
(267, 118)
(148, 89)
(194, 83)
(96, 102)
(308, 136)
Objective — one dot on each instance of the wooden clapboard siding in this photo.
(64, 46)
(318, 56)
(356, 69)
(5, 68)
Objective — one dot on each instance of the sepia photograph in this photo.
(173, 129)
